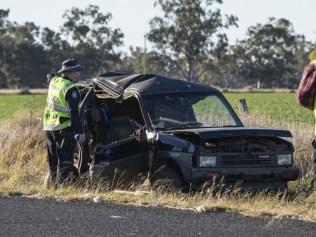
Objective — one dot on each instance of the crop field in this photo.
(12, 104)
(277, 106)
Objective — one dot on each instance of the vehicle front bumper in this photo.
(260, 174)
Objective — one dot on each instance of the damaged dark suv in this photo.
(176, 131)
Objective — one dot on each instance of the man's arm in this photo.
(73, 99)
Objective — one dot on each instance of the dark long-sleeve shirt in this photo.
(73, 99)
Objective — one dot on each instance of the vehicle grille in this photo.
(236, 160)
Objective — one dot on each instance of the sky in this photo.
(133, 16)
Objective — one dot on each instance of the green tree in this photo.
(268, 56)
(156, 63)
(27, 62)
(56, 48)
(3, 21)
(93, 41)
(23, 59)
(189, 34)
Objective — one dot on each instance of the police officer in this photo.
(62, 123)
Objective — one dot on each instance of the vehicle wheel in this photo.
(168, 179)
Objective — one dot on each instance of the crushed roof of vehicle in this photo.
(122, 84)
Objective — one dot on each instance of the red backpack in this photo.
(305, 95)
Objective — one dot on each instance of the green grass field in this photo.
(11, 104)
(278, 106)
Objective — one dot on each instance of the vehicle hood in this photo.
(207, 133)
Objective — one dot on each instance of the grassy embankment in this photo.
(22, 161)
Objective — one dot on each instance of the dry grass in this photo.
(22, 156)
(23, 166)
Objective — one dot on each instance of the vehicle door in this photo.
(126, 154)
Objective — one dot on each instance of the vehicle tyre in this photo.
(168, 179)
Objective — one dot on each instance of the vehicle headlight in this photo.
(284, 159)
(207, 161)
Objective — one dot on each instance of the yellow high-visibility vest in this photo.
(57, 113)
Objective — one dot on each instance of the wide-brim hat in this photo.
(71, 65)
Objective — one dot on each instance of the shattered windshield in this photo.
(180, 111)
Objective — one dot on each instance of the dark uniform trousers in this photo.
(60, 149)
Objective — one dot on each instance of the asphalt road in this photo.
(45, 217)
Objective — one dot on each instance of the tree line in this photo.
(189, 43)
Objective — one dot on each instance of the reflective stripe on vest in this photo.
(56, 127)
(57, 113)
(57, 108)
